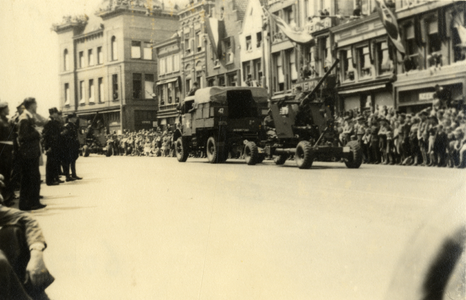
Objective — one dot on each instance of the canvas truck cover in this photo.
(219, 94)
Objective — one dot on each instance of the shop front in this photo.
(418, 92)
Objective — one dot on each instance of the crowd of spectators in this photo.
(151, 143)
(433, 137)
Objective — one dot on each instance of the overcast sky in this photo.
(29, 49)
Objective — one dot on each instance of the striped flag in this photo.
(300, 37)
(388, 19)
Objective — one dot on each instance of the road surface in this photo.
(153, 228)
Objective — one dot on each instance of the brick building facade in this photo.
(107, 64)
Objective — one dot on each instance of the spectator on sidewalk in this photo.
(51, 136)
(23, 274)
(6, 153)
(71, 147)
(29, 154)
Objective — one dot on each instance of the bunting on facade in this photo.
(216, 32)
(299, 36)
(388, 19)
(458, 24)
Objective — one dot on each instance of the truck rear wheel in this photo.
(355, 160)
(251, 153)
(303, 155)
(181, 149)
(215, 152)
(281, 159)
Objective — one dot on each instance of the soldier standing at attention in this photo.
(51, 135)
(29, 152)
(71, 144)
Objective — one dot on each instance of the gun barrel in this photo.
(321, 81)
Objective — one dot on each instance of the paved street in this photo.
(153, 228)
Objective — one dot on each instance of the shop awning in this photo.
(363, 89)
(170, 80)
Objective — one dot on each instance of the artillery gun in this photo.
(306, 129)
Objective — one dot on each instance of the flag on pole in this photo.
(388, 19)
(297, 36)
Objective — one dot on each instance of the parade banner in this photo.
(388, 19)
(298, 36)
(216, 32)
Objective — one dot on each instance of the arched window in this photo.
(114, 49)
(66, 60)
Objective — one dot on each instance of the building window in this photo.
(365, 67)
(148, 51)
(169, 64)
(67, 94)
(137, 85)
(248, 43)
(187, 46)
(162, 65)
(115, 90)
(81, 59)
(91, 91)
(66, 60)
(227, 43)
(176, 62)
(135, 49)
(81, 92)
(199, 41)
(101, 90)
(170, 92)
(114, 49)
(280, 75)
(258, 69)
(232, 79)
(90, 57)
(162, 99)
(411, 59)
(434, 41)
(259, 39)
(289, 14)
(188, 86)
(149, 86)
(230, 57)
(384, 63)
(211, 82)
(100, 56)
(347, 62)
(294, 71)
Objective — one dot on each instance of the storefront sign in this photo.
(426, 96)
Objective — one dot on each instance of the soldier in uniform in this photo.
(71, 147)
(29, 155)
(6, 153)
(51, 136)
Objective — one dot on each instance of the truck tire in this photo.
(215, 152)
(251, 153)
(281, 159)
(355, 160)
(304, 156)
(181, 149)
(86, 151)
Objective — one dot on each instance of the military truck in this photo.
(306, 129)
(217, 120)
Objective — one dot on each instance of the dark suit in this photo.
(71, 148)
(29, 154)
(6, 158)
(51, 135)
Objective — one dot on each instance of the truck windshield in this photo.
(241, 104)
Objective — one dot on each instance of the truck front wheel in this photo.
(181, 149)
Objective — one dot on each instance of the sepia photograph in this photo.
(233, 149)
